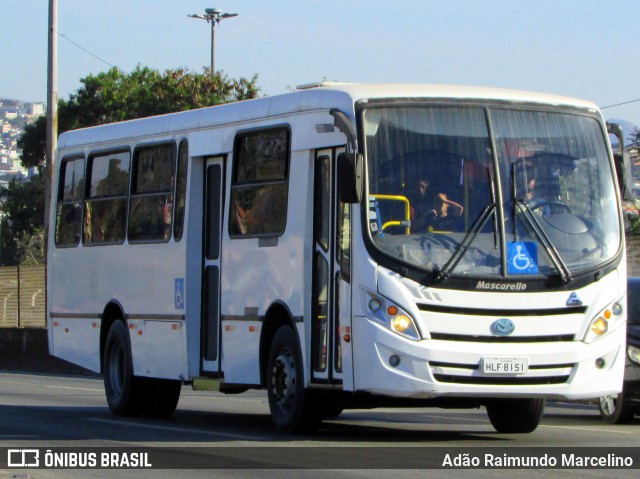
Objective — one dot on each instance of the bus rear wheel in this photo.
(122, 388)
(293, 409)
(515, 416)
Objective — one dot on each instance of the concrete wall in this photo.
(26, 350)
(22, 296)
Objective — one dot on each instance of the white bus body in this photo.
(215, 243)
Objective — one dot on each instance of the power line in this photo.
(87, 51)
(619, 104)
(114, 66)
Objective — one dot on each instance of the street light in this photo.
(213, 16)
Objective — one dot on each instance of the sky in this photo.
(580, 48)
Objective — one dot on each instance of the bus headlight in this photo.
(403, 324)
(604, 322)
(634, 354)
(385, 312)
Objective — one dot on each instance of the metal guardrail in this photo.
(22, 297)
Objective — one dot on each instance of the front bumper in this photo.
(390, 365)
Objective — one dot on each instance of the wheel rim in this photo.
(283, 381)
(608, 404)
(116, 369)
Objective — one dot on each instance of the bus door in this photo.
(212, 231)
(330, 288)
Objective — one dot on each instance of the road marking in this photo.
(229, 435)
(612, 431)
(75, 389)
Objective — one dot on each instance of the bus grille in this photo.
(502, 339)
(543, 374)
(501, 381)
(465, 311)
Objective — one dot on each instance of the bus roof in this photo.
(315, 96)
(399, 90)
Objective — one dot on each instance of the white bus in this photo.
(345, 246)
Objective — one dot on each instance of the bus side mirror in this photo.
(623, 167)
(350, 177)
(622, 163)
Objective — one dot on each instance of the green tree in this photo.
(22, 220)
(104, 98)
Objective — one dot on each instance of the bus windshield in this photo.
(490, 191)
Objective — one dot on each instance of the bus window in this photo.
(181, 190)
(259, 190)
(151, 206)
(105, 208)
(70, 194)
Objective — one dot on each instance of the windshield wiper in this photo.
(552, 252)
(461, 250)
(538, 230)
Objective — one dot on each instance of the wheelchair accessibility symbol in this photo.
(522, 258)
(179, 293)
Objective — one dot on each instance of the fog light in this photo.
(599, 363)
(394, 360)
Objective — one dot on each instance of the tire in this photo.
(614, 409)
(161, 396)
(515, 416)
(293, 409)
(123, 390)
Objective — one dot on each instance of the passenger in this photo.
(531, 189)
(421, 203)
(445, 212)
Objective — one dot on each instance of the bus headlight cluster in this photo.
(604, 322)
(634, 354)
(393, 317)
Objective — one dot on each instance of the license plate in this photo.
(505, 365)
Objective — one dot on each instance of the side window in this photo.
(343, 241)
(181, 190)
(322, 202)
(69, 209)
(259, 188)
(152, 186)
(106, 204)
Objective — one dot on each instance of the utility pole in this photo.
(52, 113)
(213, 16)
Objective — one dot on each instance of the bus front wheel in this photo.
(292, 407)
(122, 388)
(515, 416)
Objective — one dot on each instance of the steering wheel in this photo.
(550, 207)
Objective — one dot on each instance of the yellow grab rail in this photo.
(407, 211)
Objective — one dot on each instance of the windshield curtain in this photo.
(537, 199)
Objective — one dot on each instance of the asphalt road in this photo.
(38, 411)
